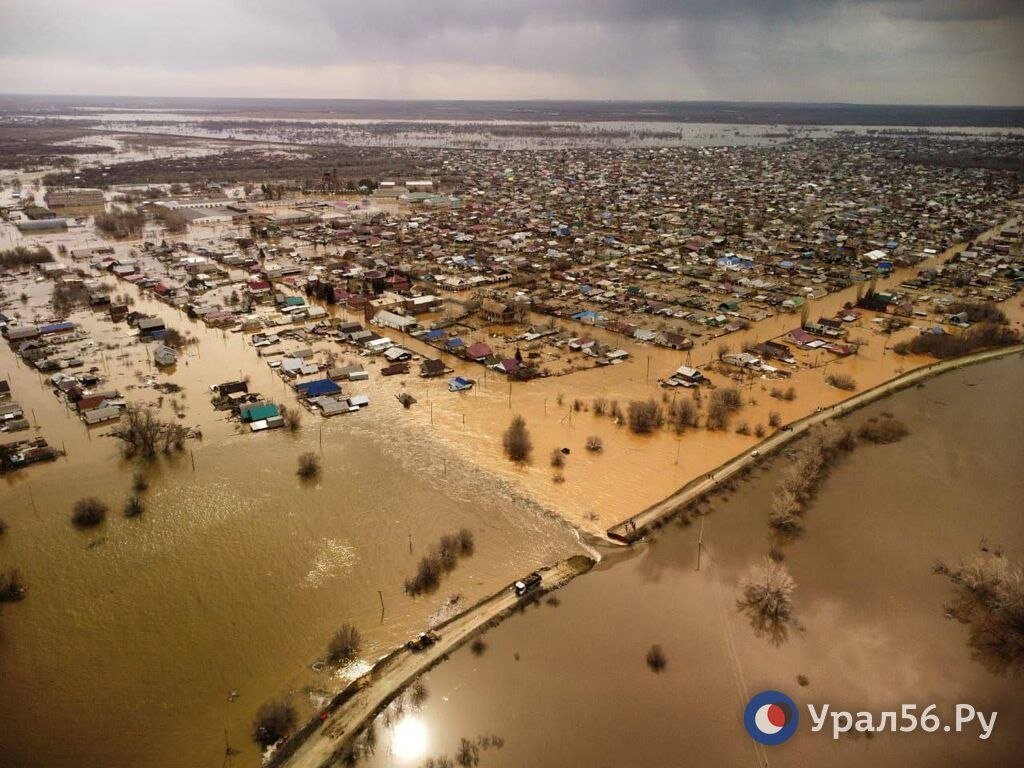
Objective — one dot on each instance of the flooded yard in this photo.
(133, 636)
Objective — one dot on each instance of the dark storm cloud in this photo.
(945, 11)
(871, 50)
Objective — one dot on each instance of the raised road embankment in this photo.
(638, 525)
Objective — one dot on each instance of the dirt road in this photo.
(635, 527)
(364, 698)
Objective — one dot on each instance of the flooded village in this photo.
(288, 418)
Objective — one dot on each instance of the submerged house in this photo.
(431, 368)
(318, 388)
(258, 412)
(497, 312)
(164, 356)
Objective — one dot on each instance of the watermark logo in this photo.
(770, 718)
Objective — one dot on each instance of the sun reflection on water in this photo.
(410, 739)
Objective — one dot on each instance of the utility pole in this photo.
(700, 541)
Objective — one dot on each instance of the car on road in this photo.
(528, 584)
(423, 640)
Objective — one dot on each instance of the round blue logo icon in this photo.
(771, 718)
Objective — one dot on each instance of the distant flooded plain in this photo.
(566, 682)
(487, 133)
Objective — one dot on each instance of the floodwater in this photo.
(488, 133)
(567, 684)
(133, 635)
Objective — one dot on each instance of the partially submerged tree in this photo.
(309, 465)
(143, 433)
(767, 599)
(174, 221)
(344, 645)
(274, 720)
(467, 543)
(67, 297)
(644, 416)
(656, 659)
(134, 506)
(120, 223)
(989, 599)
(721, 405)
(516, 440)
(175, 339)
(21, 256)
(842, 381)
(883, 429)
(945, 345)
(683, 414)
(88, 512)
(442, 558)
(140, 482)
(292, 417)
(817, 452)
(12, 588)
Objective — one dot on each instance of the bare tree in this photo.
(683, 414)
(12, 588)
(309, 465)
(516, 440)
(767, 599)
(143, 433)
(656, 659)
(274, 720)
(883, 429)
(989, 599)
(644, 416)
(344, 645)
(88, 512)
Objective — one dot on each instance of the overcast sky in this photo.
(875, 51)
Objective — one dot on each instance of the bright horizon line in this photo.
(515, 101)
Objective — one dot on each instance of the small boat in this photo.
(460, 384)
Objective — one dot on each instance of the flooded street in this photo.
(132, 636)
(563, 684)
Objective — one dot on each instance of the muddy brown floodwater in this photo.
(132, 636)
(567, 684)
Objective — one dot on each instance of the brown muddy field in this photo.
(565, 684)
